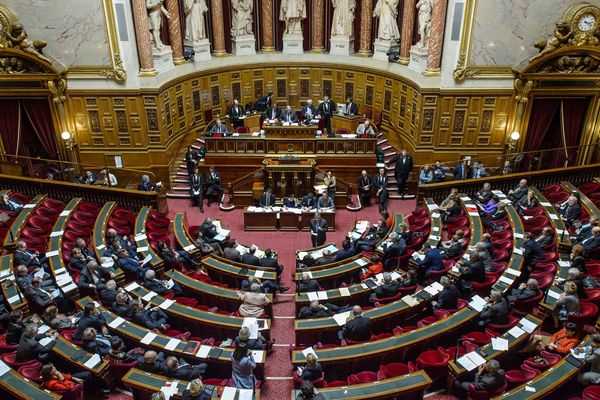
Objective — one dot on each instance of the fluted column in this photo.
(318, 45)
(408, 26)
(436, 36)
(267, 26)
(216, 7)
(175, 31)
(142, 33)
(366, 24)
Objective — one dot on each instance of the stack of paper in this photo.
(93, 361)
(477, 303)
(471, 360)
(341, 319)
(527, 325)
(499, 344)
(203, 351)
(309, 350)
(252, 325)
(228, 393)
(172, 344)
(516, 332)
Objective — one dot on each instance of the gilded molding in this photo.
(58, 88)
(118, 73)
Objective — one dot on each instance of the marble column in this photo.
(436, 36)
(318, 45)
(266, 22)
(175, 31)
(216, 7)
(143, 41)
(408, 25)
(366, 25)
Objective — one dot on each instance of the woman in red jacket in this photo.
(59, 382)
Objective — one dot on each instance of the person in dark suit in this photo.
(516, 194)
(31, 259)
(308, 111)
(431, 262)
(402, 169)
(593, 241)
(266, 286)
(365, 187)
(30, 349)
(273, 114)
(94, 346)
(94, 277)
(308, 392)
(583, 231)
(197, 189)
(489, 377)
(381, 189)
(316, 310)
(152, 318)
(42, 297)
(570, 211)
(389, 287)
(208, 230)
(488, 245)
(146, 186)
(395, 249)
(151, 282)
(191, 160)
(219, 129)
(495, 311)
(112, 236)
(325, 201)
(318, 230)
(250, 257)
(91, 318)
(152, 362)
(183, 371)
(452, 248)
(525, 291)
(236, 113)
(546, 238)
(350, 108)
(326, 109)
(485, 194)
(130, 264)
(462, 170)
(91, 178)
(214, 185)
(270, 261)
(327, 258)
(85, 251)
(172, 256)
(527, 202)
(108, 295)
(498, 215)
(267, 199)
(309, 201)
(347, 250)
(470, 271)
(357, 328)
(312, 370)
(289, 115)
(16, 326)
(10, 205)
(448, 297)
(532, 251)
(307, 284)
(291, 201)
(24, 279)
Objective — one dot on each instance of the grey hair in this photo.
(255, 287)
(150, 274)
(496, 295)
(574, 272)
(244, 333)
(533, 282)
(387, 277)
(493, 366)
(445, 281)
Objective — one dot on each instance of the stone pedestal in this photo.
(293, 44)
(163, 58)
(382, 47)
(201, 49)
(243, 45)
(342, 45)
(418, 58)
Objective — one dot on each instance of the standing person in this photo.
(327, 108)
(197, 189)
(365, 185)
(381, 183)
(318, 230)
(402, 170)
(330, 182)
(243, 365)
(213, 184)
(236, 113)
(191, 159)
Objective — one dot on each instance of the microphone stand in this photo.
(459, 343)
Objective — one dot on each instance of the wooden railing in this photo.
(539, 179)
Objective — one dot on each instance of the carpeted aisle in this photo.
(278, 369)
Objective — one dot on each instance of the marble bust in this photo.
(343, 17)
(195, 29)
(387, 12)
(155, 10)
(425, 8)
(241, 19)
(292, 12)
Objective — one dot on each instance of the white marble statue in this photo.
(387, 12)
(155, 10)
(425, 7)
(195, 29)
(241, 20)
(343, 17)
(293, 12)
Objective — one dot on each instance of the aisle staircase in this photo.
(389, 152)
(180, 186)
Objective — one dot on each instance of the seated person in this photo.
(119, 242)
(219, 129)
(270, 261)
(486, 241)
(389, 287)
(146, 186)
(396, 249)
(405, 233)
(374, 268)
(471, 271)
(312, 370)
(426, 175)
(448, 297)
(495, 311)
(273, 115)
(532, 251)
(325, 202)
(527, 202)
(577, 259)
(78, 261)
(365, 129)
(308, 392)
(450, 208)
(570, 211)
(484, 194)
(108, 295)
(208, 230)
(316, 310)
(10, 205)
(94, 277)
(82, 245)
(309, 201)
(546, 238)
(266, 286)
(94, 346)
(591, 377)
(583, 231)
(452, 248)
(357, 327)
(51, 318)
(326, 258)
(253, 302)
(61, 382)
(259, 343)
(515, 195)
(16, 326)
(308, 111)
(117, 353)
(42, 297)
(407, 279)
(489, 377)
(573, 275)
(31, 259)
(24, 278)
(439, 172)
(152, 362)
(498, 215)
(491, 206)
(176, 256)
(484, 257)
(91, 318)
(267, 199)
(163, 288)
(592, 242)
(561, 342)
(307, 284)
(525, 291)
(347, 251)
(29, 347)
(130, 264)
(431, 262)
(290, 202)
(250, 257)
(288, 115)
(182, 370)
(230, 251)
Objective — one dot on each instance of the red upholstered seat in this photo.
(10, 360)
(395, 369)
(551, 359)
(591, 392)
(316, 382)
(516, 377)
(334, 383)
(118, 370)
(588, 312)
(362, 377)
(523, 307)
(512, 321)
(4, 347)
(32, 372)
(475, 394)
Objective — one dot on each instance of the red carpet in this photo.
(278, 369)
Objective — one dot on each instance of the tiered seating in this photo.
(19, 223)
(232, 273)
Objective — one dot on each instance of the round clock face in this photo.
(586, 22)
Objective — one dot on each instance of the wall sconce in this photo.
(69, 140)
(512, 142)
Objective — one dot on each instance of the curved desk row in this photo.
(226, 271)
(10, 290)
(142, 242)
(331, 276)
(558, 225)
(12, 236)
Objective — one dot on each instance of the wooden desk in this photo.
(289, 221)
(585, 201)
(341, 121)
(10, 290)
(561, 231)
(182, 237)
(12, 236)
(99, 233)
(409, 386)
(20, 388)
(328, 216)
(260, 221)
(280, 131)
(232, 273)
(57, 265)
(74, 355)
(142, 242)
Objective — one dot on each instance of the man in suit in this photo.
(365, 187)
(402, 170)
(219, 129)
(30, 349)
(389, 287)
(31, 259)
(151, 318)
(448, 297)
(316, 310)
(439, 172)
(570, 211)
(462, 170)
(197, 189)
(250, 257)
(326, 109)
(532, 251)
(546, 238)
(365, 129)
(489, 377)
(485, 194)
(309, 201)
(213, 184)
(318, 230)
(208, 230)
(431, 262)
(525, 291)
(307, 284)
(393, 250)
(130, 264)
(270, 261)
(273, 114)
(326, 258)
(308, 111)
(516, 194)
(24, 279)
(325, 201)
(85, 251)
(266, 286)
(593, 241)
(94, 277)
(10, 205)
(290, 202)
(350, 108)
(471, 271)
(357, 328)
(381, 189)
(91, 318)
(288, 115)
(496, 311)
(151, 282)
(108, 295)
(236, 113)
(583, 231)
(152, 362)
(347, 251)
(183, 371)
(130, 246)
(479, 170)
(191, 159)
(41, 297)
(452, 248)
(230, 252)
(267, 199)
(146, 186)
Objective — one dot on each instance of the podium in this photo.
(288, 174)
(350, 122)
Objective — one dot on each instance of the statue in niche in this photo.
(18, 39)
(195, 29)
(156, 10)
(292, 12)
(387, 12)
(425, 8)
(562, 34)
(343, 17)
(241, 20)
